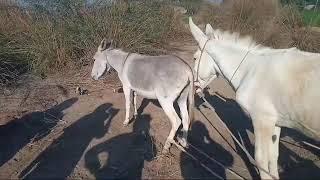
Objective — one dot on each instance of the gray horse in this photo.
(166, 78)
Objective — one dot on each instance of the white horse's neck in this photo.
(233, 62)
(116, 58)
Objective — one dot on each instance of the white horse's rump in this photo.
(276, 87)
(166, 78)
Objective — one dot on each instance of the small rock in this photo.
(82, 91)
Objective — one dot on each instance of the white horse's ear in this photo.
(104, 45)
(209, 30)
(196, 32)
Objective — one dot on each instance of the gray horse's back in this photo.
(151, 72)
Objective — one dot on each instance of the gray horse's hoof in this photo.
(125, 124)
(165, 151)
(182, 142)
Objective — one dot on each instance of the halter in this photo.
(197, 78)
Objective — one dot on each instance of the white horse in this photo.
(166, 78)
(275, 87)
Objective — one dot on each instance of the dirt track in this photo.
(88, 142)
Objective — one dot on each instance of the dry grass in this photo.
(59, 35)
(269, 23)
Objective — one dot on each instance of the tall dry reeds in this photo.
(50, 35)
(267, 21)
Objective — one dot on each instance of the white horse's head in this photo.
(204, 66)
(101, 60)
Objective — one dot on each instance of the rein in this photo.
(125, 60)
(239, 65)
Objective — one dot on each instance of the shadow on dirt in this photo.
(294, 166)
(123, 156)
(31, 127)
(61, 157)
(145, 102)
(199, 137)
(236, 120)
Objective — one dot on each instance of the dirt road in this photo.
(50, 131)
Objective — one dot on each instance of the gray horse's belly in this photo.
(141, 81)
(157, 76)
(146, 94)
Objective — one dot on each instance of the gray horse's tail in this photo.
(191, 91)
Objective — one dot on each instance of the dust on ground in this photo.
(48, 130)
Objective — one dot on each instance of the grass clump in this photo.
(54, 35)
(268, 21)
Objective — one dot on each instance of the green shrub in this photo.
(311, 17)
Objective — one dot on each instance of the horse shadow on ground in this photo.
(61, 157)
(238, 122)
(293, 165)
(123, 156)
(31, 127)
(144, 103)
(199, 137)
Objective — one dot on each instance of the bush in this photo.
(267, 21)
(311, 17)
(53, 35)
(13, 53)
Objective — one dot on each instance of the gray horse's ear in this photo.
(104, 45)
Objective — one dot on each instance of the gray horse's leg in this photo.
(127, 95)
(135, 104)
(182, 102)
(167, 106)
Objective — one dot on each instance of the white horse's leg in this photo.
(182, 102)
(274, 152)
(135, 104)
(168, 108)
(263, 131)
(127, 95)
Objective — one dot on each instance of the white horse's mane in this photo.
(235, 39)
(247, 42)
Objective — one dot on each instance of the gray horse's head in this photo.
(100, 60)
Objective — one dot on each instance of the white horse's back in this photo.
(295, 91)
